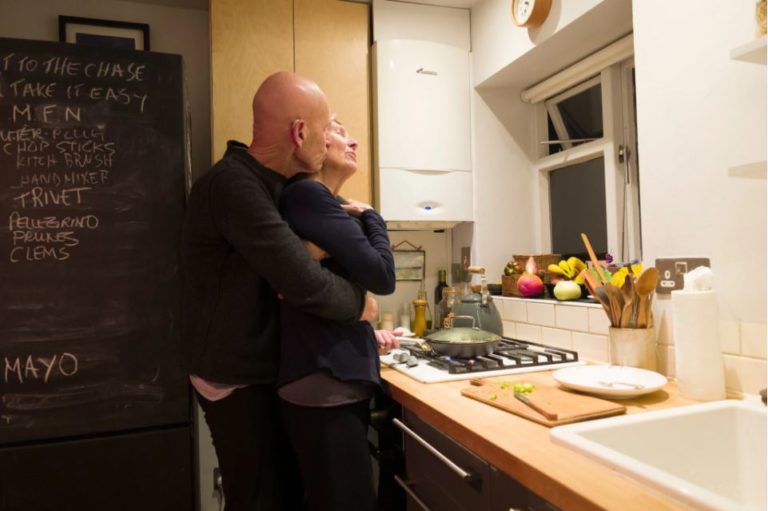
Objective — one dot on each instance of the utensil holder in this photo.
(633, 347)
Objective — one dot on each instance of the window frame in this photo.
(554, 112)
(623, 230)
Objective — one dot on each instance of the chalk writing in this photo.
(21, 369)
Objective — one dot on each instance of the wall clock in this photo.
(530, 13)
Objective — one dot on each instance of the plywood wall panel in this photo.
(250, 39)
(331, 45)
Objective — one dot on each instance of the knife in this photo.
(523, 398)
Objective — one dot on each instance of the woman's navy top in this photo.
(310, 343)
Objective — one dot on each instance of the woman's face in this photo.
(342, 150)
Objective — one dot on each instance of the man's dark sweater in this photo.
(237, 253)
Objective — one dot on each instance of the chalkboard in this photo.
(92, 192)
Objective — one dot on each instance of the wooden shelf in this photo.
(753, 51)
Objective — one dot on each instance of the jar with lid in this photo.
(446, 307)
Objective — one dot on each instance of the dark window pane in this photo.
(552, 135)
(576, 205)
(583, 114)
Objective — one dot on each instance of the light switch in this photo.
(672, 269)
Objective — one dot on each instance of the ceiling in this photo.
(203, 4)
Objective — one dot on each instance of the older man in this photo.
(237, 255)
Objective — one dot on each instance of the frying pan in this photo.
(463, 342)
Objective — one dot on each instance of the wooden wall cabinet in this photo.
(325, 40)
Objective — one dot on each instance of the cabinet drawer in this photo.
(442, 473)
(509, 495)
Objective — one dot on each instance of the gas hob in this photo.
(511, 356)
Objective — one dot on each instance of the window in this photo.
(588, 166)
(575, 116)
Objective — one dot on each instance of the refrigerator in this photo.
(95, 409)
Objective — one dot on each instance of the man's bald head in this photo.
(290, 115)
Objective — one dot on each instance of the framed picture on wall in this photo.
(409, 264)
(104, 33)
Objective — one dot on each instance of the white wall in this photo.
(700, 115)
(437, 246)
(505, 54)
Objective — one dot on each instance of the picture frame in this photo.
(104, 33)
(409, 264)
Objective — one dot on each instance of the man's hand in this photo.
(355, 208)
(386, 341)
(371, 309)
(317, 253)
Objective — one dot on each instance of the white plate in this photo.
(615, 382)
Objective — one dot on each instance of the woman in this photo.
(329, 371)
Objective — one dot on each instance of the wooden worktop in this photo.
(523, 450)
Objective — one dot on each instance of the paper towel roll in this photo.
(698, 355)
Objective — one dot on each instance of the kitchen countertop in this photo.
(523, 450)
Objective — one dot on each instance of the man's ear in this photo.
(298, 132)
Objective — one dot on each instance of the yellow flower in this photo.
(637, 269)
(617, 279)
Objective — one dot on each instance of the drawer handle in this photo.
(407, 487)
(442, 457)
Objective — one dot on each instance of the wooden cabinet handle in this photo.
(407, 487)
(442, 457)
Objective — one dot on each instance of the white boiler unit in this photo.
(422, 160)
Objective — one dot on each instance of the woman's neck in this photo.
(332, 182)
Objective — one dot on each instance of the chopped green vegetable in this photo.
(504, 385)
(524, 388)
(493, 397)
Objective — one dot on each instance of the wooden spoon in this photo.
(593, 258)
(596, 290)
(645, 285)
(628, 292)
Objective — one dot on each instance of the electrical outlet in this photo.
(672, 269)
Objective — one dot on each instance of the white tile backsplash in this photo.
(515, 310)
(665, 360)
(753, 340)
(572, 318)
(598, 321)
(584, 328)
(744, 374)
(730, 337)
(591, 347)
(541, 314)
(557, 338)
(528, 332)
(509, 328)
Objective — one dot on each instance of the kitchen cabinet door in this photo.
(324, 40)
(423, 119)
(249, 41)
(332, 41)
(430, 476)
(509, 495)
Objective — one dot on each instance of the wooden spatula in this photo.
(593, 258)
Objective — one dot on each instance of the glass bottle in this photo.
(441, 284)
(445, 307)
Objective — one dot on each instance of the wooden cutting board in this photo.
(569, 406)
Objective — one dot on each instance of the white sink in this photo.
(709, 456)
